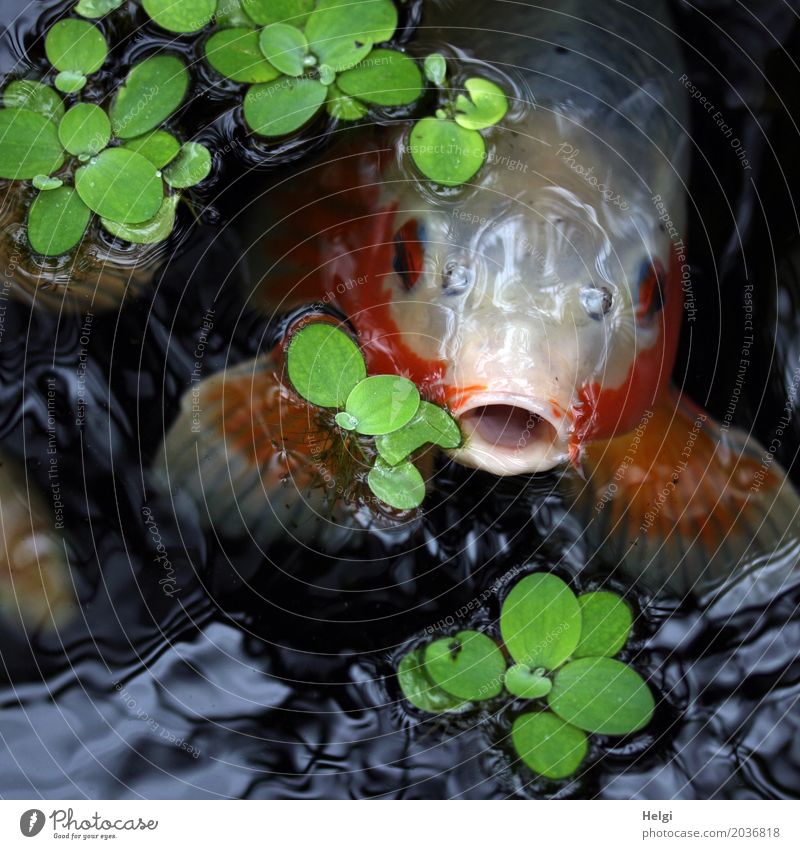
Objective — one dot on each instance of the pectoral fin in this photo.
(35, 584)
(689, 506)
(254, 458)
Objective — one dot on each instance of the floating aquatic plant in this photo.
(449, 148)
(298, 57)
(122, 167)
(560, 652)
(301, 55)
(327, 369)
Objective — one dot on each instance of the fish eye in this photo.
(409, 253)
(597, 301)
(456, 277)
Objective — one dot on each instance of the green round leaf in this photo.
(485, 106)
(341, 33)
(159, 147)
(156, 229)
(120, 185)
(29, 145)
(446, 153)
(191, 167)
(602, 696)
(385, 77)
(84, 129)
(35, 96)
(231, 14)
(235, 54)
(547, 745)
(340, 55)
(73, 45)
(69, 81)
(344, 108)
(283, 106)
(153, 90)
(540, 621)
(430, 424)
(345, 421)
(181, 15)
(326, 74)
(400, 486)
(45, 183)
(418, 688)
(294, 12)
(285, 47)
(57, 221)
(324, 364)
(97, 8)
(468, 665)
(526, 683)
(605, 624)
(383, 403)
(435, 68)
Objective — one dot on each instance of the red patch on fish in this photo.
(336, 246)
(600, 412)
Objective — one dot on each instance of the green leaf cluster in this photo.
(327, 369)
(87, 161)
(300, 55)
(449, 148)
(557, 650)
(177, 16)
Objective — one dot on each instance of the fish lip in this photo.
(536, 455)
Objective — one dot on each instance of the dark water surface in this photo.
(274, 679)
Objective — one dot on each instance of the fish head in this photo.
(544, 301)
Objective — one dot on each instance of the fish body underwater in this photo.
(36, 591)
(542, 303)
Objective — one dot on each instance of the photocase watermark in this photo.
(569, 155)
(6, 285)
(785, 421)
(196, 377)
(341, 288)
(66, 825)
(517, 166)
(744, 358)
(679, 249)
(475, 603)
(153, 724)
(678, 469)
(80, 370)
(168, 583)
(32, 822)
(272, 88)
(719, 119)
(628, 460)
(52, 455)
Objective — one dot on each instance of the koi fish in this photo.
(35, 586)
(541, 303)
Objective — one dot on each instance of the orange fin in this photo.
(691, 507)
(254, 459)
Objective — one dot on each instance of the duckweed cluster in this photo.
(293, 59)
(556, 656)
(327, 369)
(86, 160)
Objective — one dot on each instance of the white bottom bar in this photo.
(397, 825)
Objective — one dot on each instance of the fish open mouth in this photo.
(510, 436)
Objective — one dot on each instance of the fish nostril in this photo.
(509, 427)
